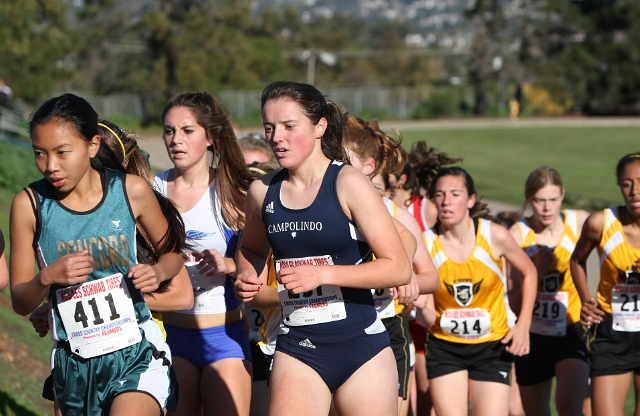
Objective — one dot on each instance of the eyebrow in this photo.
(55, 148)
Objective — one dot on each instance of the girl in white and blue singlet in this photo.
(109, 357)
(324, 221)
(209, 343)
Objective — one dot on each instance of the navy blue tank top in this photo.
(321, 229)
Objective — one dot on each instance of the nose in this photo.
(52, 164)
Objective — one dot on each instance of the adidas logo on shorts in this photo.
(306, 343)
(269, 207)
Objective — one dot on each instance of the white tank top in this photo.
(206, 229)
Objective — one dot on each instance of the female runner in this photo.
(470, 347)
(614, 359)
(211, 350)
(408, 189)
(558, 340)
(324, 221)
(373, 152)
(109, 357)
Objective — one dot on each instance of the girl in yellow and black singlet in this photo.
(469, 348)
(615, 349)
(558, 340)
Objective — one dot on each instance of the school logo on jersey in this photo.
(629, 277)
(116, 224)
(463, 292)
(269, 207)
(197, 235)
(551, 282)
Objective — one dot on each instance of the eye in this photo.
(188, 131)
(268, 129)
(289, 126)
(168, 132)
(38, 153)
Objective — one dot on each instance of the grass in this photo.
(500, 159)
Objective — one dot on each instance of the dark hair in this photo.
(424, 163)
(315, 106)
(367, 140)
(622, 163)
(125, 147)
(232, 174)
(479, 209)
(76, 112)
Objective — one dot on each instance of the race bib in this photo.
(625, 308)
(98, 316)
(471, 323)
(255, 319)
(384, 303)
(550, 314)
(318, 306)
(206, 289)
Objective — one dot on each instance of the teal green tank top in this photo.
(108, 231)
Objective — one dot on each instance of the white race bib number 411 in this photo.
(98, 316)
(320, 305)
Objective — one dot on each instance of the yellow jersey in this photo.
(270, 328)
(470, 303)
(619, 278)
(557, 301)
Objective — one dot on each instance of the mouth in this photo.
(279, 152)
(178, 154)
(57, 182)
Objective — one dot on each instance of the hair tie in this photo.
(124, 152)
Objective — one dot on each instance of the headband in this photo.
(124, 152)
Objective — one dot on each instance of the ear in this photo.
(321, 127)
(401, 180)
(562, 194)
(472, 201)
(94, 146)
(368, 166)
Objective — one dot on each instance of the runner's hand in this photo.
(247, 286)
(144, 277)
(40, 319)
(212, 262)
(590, 313)
(517, 340)
(68, 270)
(304, 278)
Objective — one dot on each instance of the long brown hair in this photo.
(232, 174)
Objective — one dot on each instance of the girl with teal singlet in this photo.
(109, 356)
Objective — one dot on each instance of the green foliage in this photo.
(444, 102)
(17, 169)
(35, 46)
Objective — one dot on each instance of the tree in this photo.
(34, 46)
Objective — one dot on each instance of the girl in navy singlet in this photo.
(324, 221)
